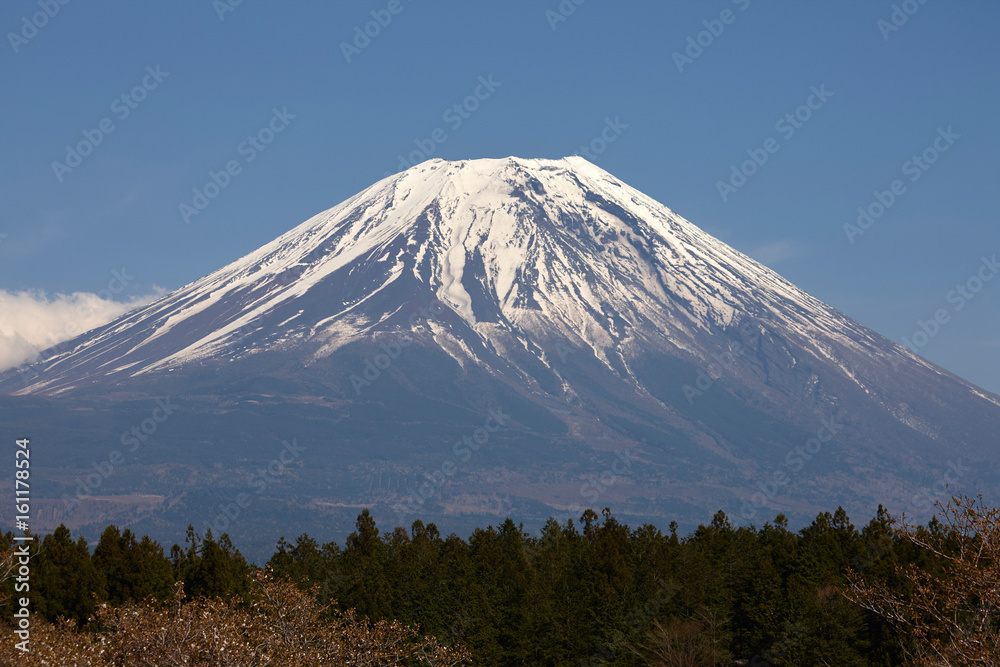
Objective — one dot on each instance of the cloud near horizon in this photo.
(778, 251)
(32, 321)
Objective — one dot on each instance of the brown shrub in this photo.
(282, 625)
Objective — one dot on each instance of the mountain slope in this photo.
(600, 319)
(556, 248)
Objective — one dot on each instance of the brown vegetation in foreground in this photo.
(280, 625)
(950, 609)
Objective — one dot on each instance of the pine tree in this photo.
(210, 567)
(65, 583)
(133, 570)
(366, 587)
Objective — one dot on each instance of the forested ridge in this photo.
(596, 592)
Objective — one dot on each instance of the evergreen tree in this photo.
(211, 568)
(605, 594)
(65, 582)
(133, 570)
(366, 587)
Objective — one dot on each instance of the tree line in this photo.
(593, 592)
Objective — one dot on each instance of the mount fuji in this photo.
(475, 339)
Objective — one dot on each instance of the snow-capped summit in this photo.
(522, 250)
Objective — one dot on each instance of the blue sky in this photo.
(198, 81)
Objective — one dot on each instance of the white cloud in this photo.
(32, 321)
(778, 251)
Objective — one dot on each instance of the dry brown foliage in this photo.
(8, 568)
(281, 626)
(682, 643)
(953, 619)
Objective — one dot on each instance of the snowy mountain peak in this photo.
(524, 251)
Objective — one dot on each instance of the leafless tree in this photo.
(952, 617)
(690, 642)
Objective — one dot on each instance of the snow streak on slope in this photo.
(522, 250)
